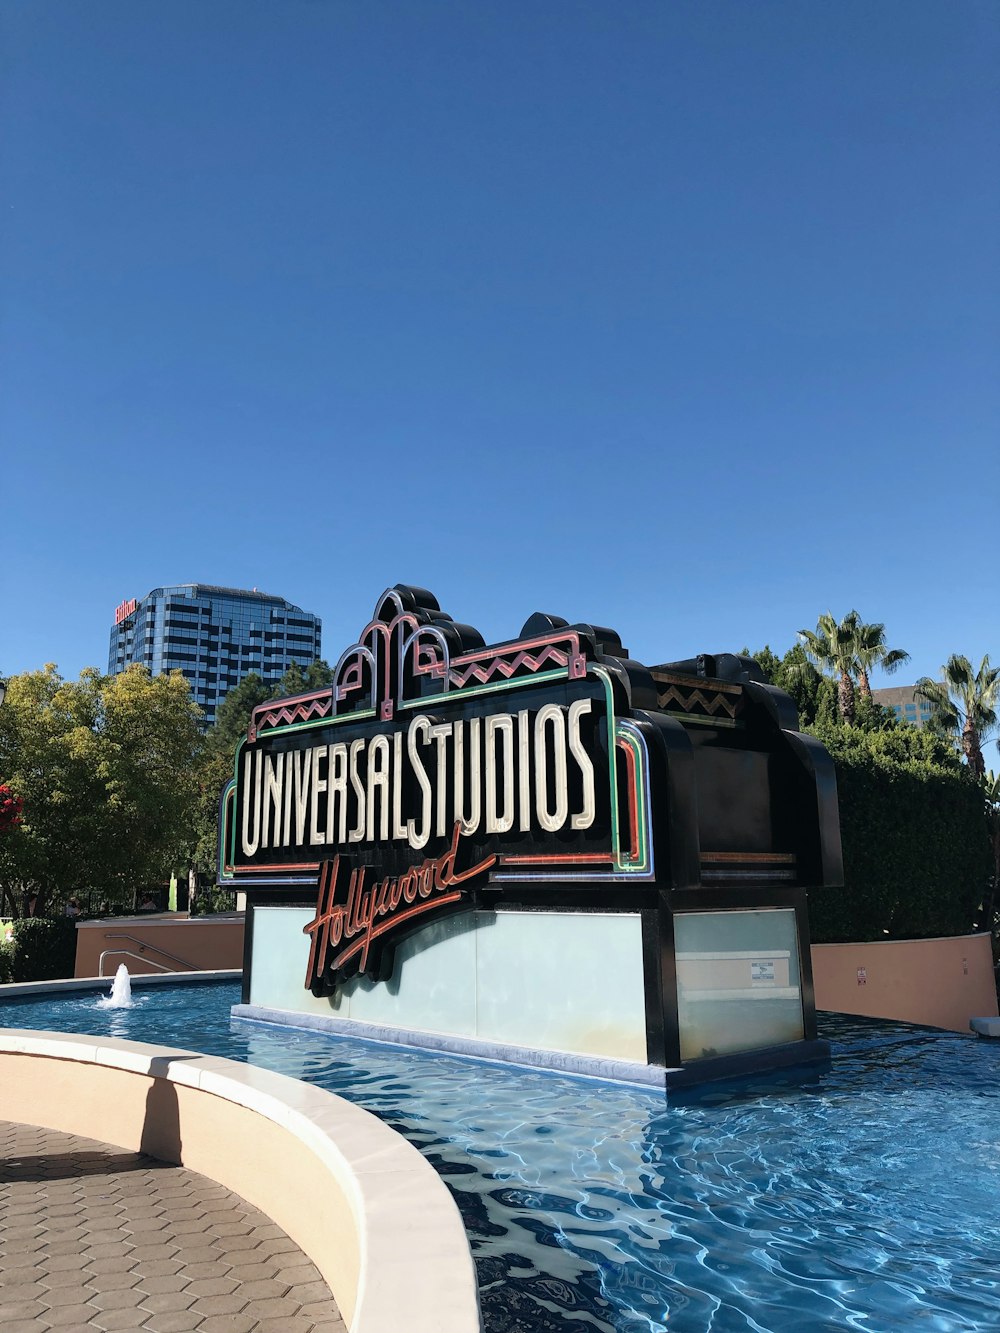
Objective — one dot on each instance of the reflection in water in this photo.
(863, 1195)
(799, 1200)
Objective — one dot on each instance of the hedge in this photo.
(916, 852)
(44, 948)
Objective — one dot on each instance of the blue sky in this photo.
(682, 318)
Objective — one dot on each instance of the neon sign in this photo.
(432, 754)
(438, 774)
(350, 919)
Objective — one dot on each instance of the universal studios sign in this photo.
(434, 773)
(480, 774)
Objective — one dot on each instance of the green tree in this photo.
(216, 764)
(231, 722)
(317, 675)
(150, 745)
(42, 727)
(292, 682)
(233, 715)
(814, 695)
(106, 769)
(872, 716)
(965, 705)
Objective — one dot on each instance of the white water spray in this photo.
(121, 991)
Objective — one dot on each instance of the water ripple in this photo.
(863, 1196)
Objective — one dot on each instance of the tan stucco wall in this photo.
(369, 1211)
(206, 943)
(942, 982)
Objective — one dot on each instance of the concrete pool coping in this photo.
(358, 1199)
(12, 990)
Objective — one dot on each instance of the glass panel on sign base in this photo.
(738, 985)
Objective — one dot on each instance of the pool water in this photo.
(860, 1195)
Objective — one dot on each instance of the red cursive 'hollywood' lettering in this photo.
(357, 918)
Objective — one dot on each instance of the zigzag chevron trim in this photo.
(299, 712)
(501, 666)
(713, 704)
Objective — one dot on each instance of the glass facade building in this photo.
(214, 636)
(903, 701)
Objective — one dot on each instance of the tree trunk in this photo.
(845, 697)
(970, 745)
(864, 685)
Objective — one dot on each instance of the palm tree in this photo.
(833, 647)
(965, 703)
(851, 650)
(872, 652)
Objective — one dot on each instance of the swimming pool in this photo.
(865, 1195)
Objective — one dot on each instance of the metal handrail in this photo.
(145, 944)
(127, 953)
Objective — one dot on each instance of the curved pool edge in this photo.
(359, 1200)
(13, 989)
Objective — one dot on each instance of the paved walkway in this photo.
(92, 1237)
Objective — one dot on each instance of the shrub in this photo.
(916, 854)
(211, 899)
(44, 949)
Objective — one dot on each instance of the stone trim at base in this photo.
(554, 1062)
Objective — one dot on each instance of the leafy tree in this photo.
(814, 695)
(150, 744)
(319, 674)
(292, 682)
(872, 716)
(316, 676)
(216, 766)
(105, 767)
(43, 726)
(233, 715)
(231, 722)
(965, 705)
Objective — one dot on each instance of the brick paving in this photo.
(92, 1237)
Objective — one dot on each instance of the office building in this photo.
(902, 700)
(214, 636)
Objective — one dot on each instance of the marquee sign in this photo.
(438, 774)
(432, 767)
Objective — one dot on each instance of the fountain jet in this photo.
(121, 991)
